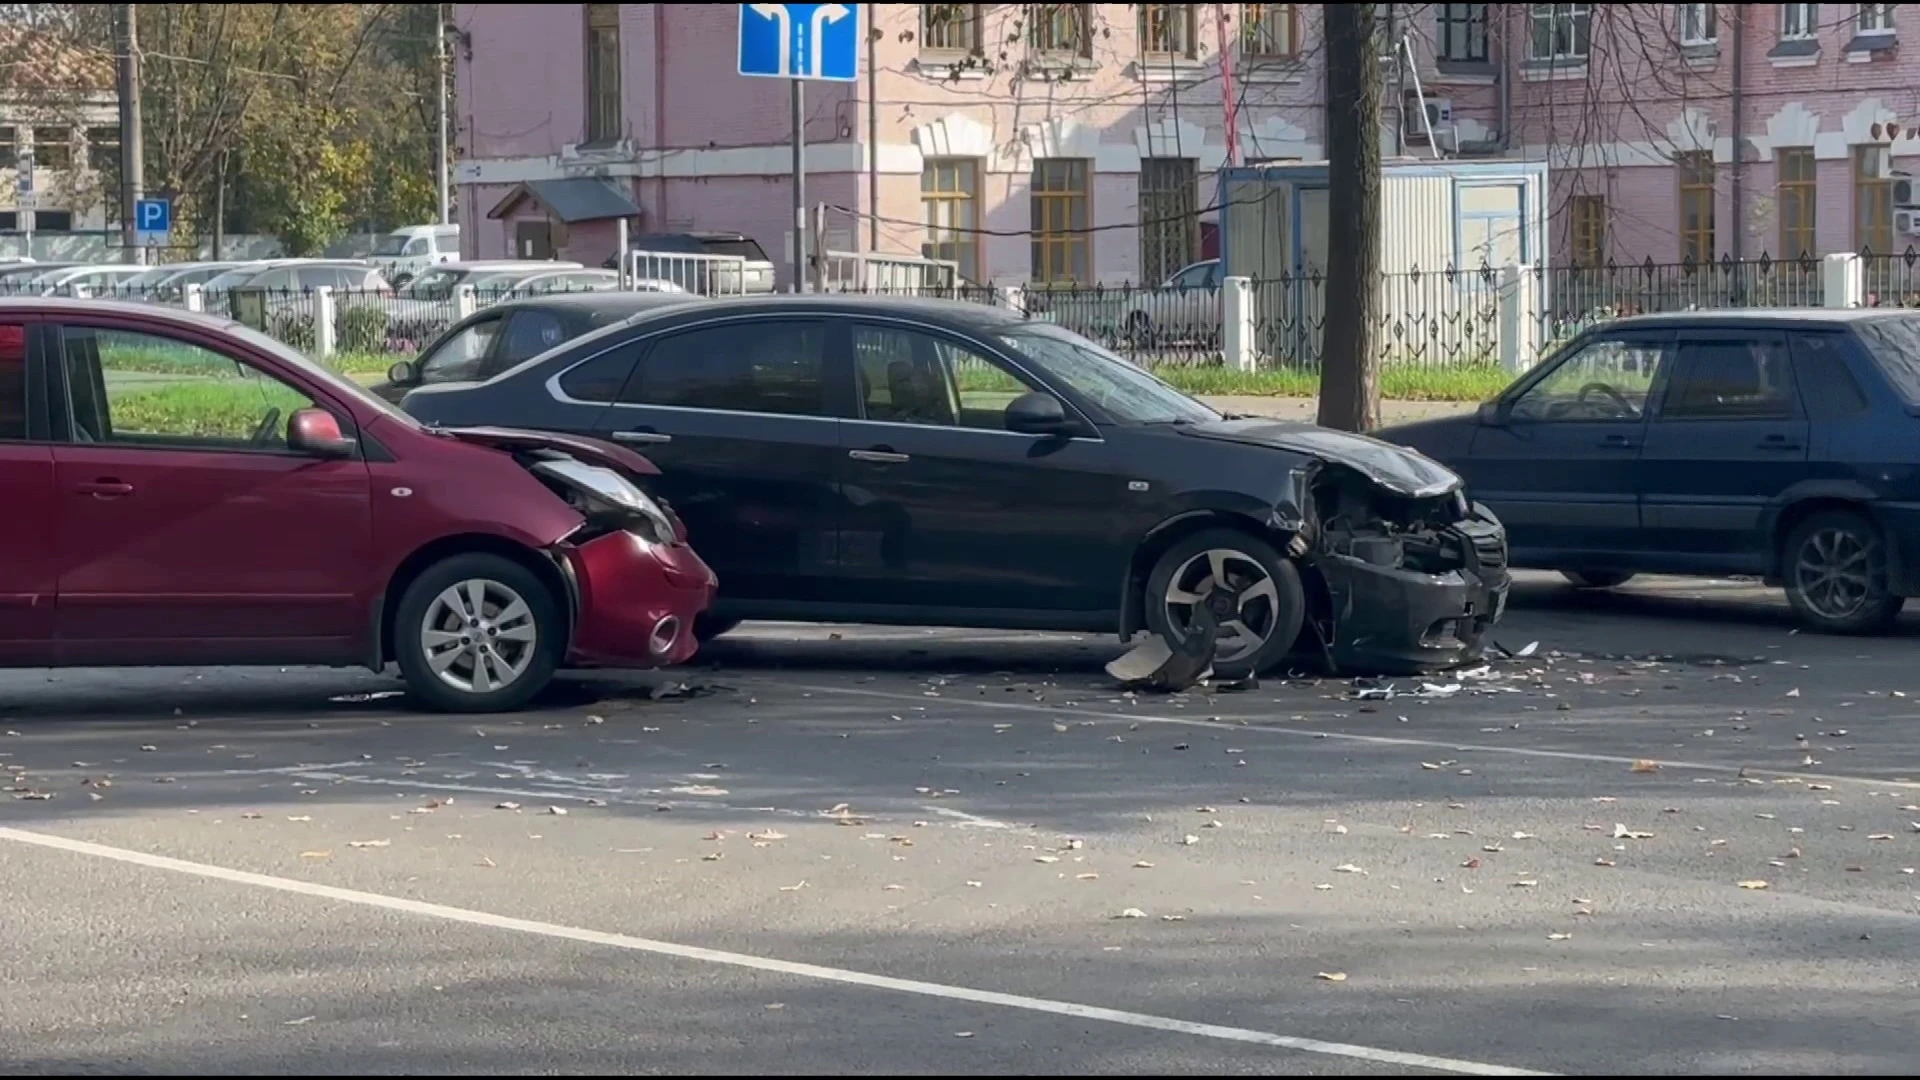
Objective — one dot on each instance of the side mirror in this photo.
(402, 373)
(316, 432)
(1492, 414)
(1038, 414)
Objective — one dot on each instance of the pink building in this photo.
(1032, 141)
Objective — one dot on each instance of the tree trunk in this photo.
(1350, 352)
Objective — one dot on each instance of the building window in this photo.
(53, 147)
(1875, 19)
(1696, 206)
(1562, 31)
(950, 197)
(1462, 34)
(1698, 26)
(1061, 29)
(103, 149)
(603, 73)
(1872, 201)
(1795, 201)
(1799, 22)
(1269, 31)
(1168, 30)
(950, 28)
(1589, 230)
(9, 147)
(1060, 225)
(51, 221)
(1169, 216)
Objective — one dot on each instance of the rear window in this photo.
(1894, 342)
(745, 249)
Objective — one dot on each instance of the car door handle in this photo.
(105, 488)
(1778, 442)
(1618, 442)
(654, 437)
(883, 456)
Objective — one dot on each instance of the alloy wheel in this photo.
(1834, 571)
(1239, 593)
(479, 636)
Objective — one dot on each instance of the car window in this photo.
(13, 381)
(748, 248)
(1606, 379)
(199, 400)
(458, 359)
(912, 377)
(529, 333)
(766, 366)
(1826, 383)
(419, 245)
(599, 380)
(1894, 342)
(1738, 378)
(1128, 393)
(278, 278)
(1194, 277)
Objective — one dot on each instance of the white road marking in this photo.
(489, 920)
(1343, 736)
(973, 821)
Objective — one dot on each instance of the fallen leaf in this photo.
(316, 854)
(1143, 865)
(1131, 913)
(1086, 877)
(369, 843)
(1348, 868)
(298, 1022)
(1643, 765)
(1332, 976)
(796, 887)
(1046, 858)
(713, 856)
(963, 1034)
(557, 811)
(1621, 832)
(1752, 884)
(506, 806)
(1795, 692)
(1558, 937)
(1173, 918)
(1525, 883)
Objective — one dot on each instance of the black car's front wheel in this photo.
(1252, 590)
(1835, 568)
(1596, 579)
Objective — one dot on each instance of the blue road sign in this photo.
(152, 221)
(800, 41)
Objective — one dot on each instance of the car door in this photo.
(736, 414)
(28, 548)
(1557, 459)
(187, 531)
(946, 509)
(1728, 437)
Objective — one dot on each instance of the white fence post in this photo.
(322, 321)
(1236, 323)
(465, 302)
(194, 297)
(1519, 301)
(1011, 297)
(1842, 281)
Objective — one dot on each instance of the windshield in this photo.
(436, 284)
(1126, 392)
(1895, 344)
(232, 279)
(391, 244)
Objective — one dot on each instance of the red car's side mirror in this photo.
(317, 432)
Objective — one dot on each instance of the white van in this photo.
(410, 249)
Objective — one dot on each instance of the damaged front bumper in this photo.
(1414, 602)
(634, 600)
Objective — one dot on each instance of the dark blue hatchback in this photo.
(1778, 443)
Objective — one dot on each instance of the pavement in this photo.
(1675, 837)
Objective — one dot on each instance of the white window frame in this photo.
(1870, 20)
(1805, 28)
(1699, 24)
(1573, 16)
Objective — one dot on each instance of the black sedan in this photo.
(931, 462)
(1780, 444)
(499, 336)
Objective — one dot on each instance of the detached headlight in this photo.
(607, 498)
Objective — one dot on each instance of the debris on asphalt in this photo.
(1156, 663)
(1332, 976)
(369, 843)
(1643, 765)
(1755, 884)
(1131, 913)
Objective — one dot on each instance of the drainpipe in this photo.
(873, 133)
(1738, 132)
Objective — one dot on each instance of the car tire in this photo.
(707, 627)
(1189, 564)
(1597, 579)
(503, 586)
(1834, 565)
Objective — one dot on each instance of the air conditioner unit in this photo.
(1439, 112)
(1439, 115)
(1903, 189)
(1906, 222)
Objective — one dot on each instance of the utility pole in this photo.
(1350, 354)
(132, 144)
(1229, 102)
(799, 105)
(441, 64)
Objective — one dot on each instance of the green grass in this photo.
(1478, 382)
(189, 361)
(217, 409)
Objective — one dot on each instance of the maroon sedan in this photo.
(183, 490)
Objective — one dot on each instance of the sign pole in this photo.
(799, 186)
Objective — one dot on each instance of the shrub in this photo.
(360, 330)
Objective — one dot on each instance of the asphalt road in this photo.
(840, 850)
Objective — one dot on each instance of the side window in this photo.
(281, 278)
(419, 245)
(1607, 379)
(1193, 277)
(13, 382)
(912, 377)
(1733, 379)
(1820, 369)
(599, 380)
(204, 400)
(458, 359)
(529, 333)
(765, 366)
(312, 277)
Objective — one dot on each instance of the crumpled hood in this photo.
(1396, 468)
(591, 451)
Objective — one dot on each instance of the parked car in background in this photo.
(289, 517)
(16, 279)
(503, 335)
(1183, 308)
(682, 259)
(83, 281)
(403, 253)
(419, 310)
(277, 296)
(1779, 444)
(166, 283)
(875, 459)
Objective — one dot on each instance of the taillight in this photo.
(13, 343)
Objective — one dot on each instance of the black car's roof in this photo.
(952, 314)
(614, 302)
(1670, 320)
